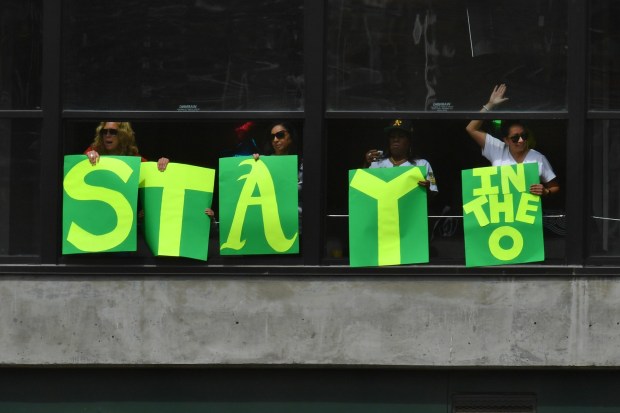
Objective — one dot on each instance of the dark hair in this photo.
(292, 132)
(509, 124)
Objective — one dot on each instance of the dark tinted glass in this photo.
(20, 54)
(19, 187)
(446, 55)
(185, 56)
(604, 54)
(604, 222)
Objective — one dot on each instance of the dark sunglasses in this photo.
(112, 132)
(515, 137)
(279, 135)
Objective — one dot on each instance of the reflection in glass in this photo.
(444, 55)
(183, 56)
(604, 54)
(604, 228)
(20, 54)
(19, 187)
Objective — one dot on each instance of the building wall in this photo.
(272, 320)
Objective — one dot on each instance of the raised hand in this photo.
(497, 96)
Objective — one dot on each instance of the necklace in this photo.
(396, 163)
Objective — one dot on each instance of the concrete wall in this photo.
(388, 321)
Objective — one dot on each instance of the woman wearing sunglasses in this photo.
(116, 138)
(514, 147)
(284, 142)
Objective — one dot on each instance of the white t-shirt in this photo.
(386, 163)
(497, 152)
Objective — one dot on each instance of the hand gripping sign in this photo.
(501, 219)
(388, 218)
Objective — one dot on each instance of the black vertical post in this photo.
(50, 161)
(577, 88)
(314, 128)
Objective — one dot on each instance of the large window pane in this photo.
(19, 187)
(604, 223)
(448, 148)
(445, 55)
(187, 55)
(20, 54)
(604, 55)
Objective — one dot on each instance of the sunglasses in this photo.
(112, 132)
(279, 135)
(515, 137)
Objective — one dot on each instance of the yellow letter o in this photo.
(510, 253)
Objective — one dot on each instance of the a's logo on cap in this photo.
(398, 122)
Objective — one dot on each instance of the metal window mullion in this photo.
(50, 156)
(573, 184)
(314, 128)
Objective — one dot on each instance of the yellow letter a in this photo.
(260, 177)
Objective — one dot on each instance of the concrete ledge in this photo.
(388, 321)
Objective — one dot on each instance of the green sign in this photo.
(258, 205)
(501, 219)
(99, 204)
(175, 223)
(388, 218)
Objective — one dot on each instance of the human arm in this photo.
(548, 180)
(474, 127)
(371, 156)
(162, 163)
(429, 182)
(546, 189)
(93, 156)
(426, 184)
(210, 213)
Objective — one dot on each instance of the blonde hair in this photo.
(126, 140)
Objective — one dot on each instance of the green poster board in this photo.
(258, 205)
(501, 219)
(99, 204)
(388, 217)
(175, 223)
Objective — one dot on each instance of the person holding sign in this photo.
(117, 138)
(399, 134)
(284, 142)
(513, 148)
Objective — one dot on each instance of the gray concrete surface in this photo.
(293, 321)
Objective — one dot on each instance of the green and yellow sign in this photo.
(175, 223)
(388, 218)
(99, 204)
(258, 205)
(501, 219)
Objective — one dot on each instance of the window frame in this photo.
(314, 117)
